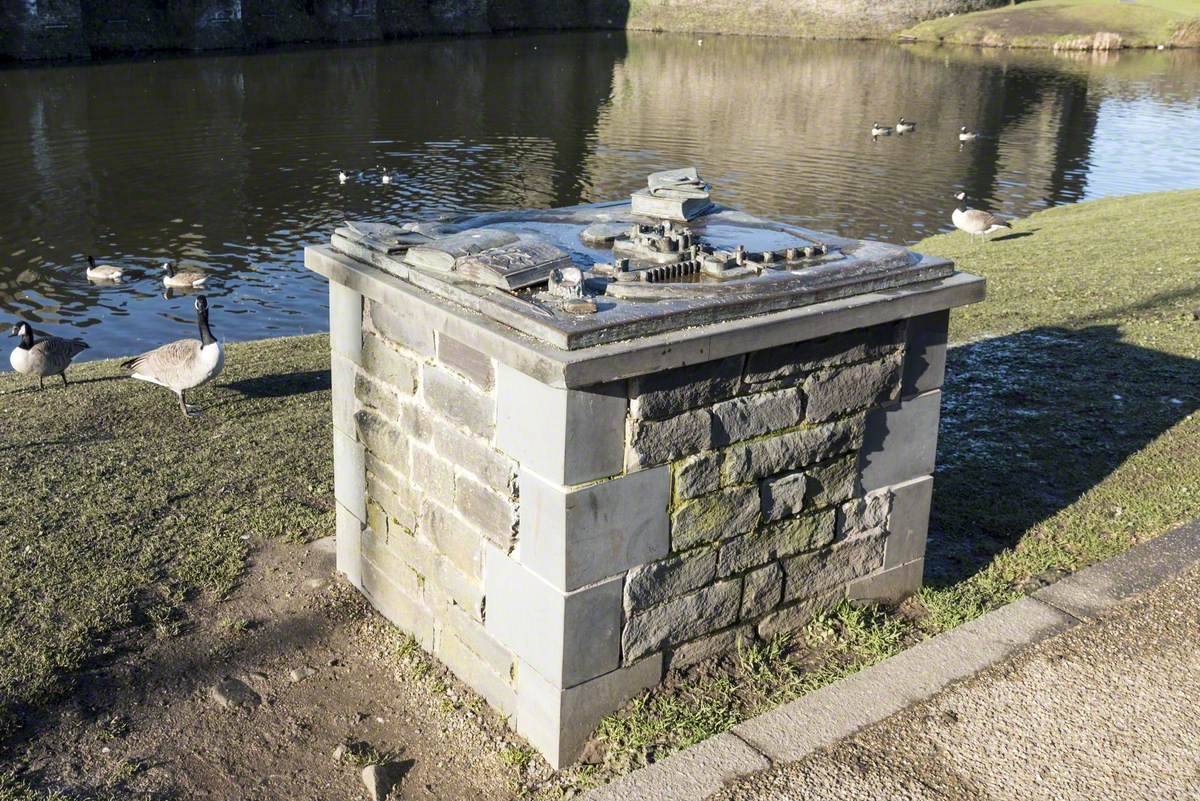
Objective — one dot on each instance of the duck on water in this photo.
(184, 364)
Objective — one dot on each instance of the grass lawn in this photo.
(1069, 433)
(1042, 23)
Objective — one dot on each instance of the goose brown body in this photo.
(44, 357)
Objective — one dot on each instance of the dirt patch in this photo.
(146, 724)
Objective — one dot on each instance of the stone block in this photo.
(811, 574)
(667, 393)
(925, 353)
(859, 515)
(908, 523)
(458, 401)
(341, 377)
(568, 638)
(713, 517)
(793, 450)
(345, 322)
(384, 441)
(787, 364)
(374, 395)
(416, 422)
(900, 443)
(401, 329)
(843, 390)
(697, 475)
(350, 474)
(833, 481)
(677, 575)
(495, 515)
(476, 673)
(452, 537)
(763, 591)
(472, 455)
(682, 619)
(754, 415)
(559, 722)
(388, 563)
(718, 644)
(655, 442)
(431, 474)
(888, 586)
(576, 536)
(348, 545)
(467, 362)
(409, 614)
(415, 551)
(471, 632)
(399, 500)
(783, 496)
(795, 616)
(389, 366)
(566, 436)
(776, 541)
(448, 585)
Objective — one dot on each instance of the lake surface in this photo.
(229, 163)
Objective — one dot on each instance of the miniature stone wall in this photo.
(560, 549)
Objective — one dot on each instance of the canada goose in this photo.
(102, 272)
(181, 280)
(880, 130)
(904, 126)
(966, 136)
(184, 364)
(342, 177)
(43, 357)
(974, 221)
(387, 178)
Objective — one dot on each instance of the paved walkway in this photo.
(1107, 710)
(1087, 690)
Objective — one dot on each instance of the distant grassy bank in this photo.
(1070, 432)
(1071, 25)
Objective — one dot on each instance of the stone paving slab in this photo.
(822, 719)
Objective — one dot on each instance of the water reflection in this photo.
(229, 164)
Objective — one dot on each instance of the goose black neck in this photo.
(26, 338)
(170, 268)
(206, 334)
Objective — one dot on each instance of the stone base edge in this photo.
(801, 727)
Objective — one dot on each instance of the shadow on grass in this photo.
(1033, 420)
(283, 385)
(1017, 235)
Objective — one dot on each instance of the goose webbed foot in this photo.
(41, 384)
(187, 409)
(63, 376)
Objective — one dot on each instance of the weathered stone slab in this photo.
(664, 394)
(495, 470)
(810, 574)
(388, 365)
(793, 450)
(888, 586)
(925, 353)
(900, 442)
(783, 496)
(658, 442)
(668, 578)
(697, 475)
(776, 541)
(789, 363)
(849, 389)
(459, 401)
(859, 515)
(345, 322)
(416, 421)
(763, 591)
(467, 362)
(715, 516)
(372, 394)
(833, 481)
(908, 521)
(682, 619)
(795, 616)
(431, 474)
(709, 646)
(493, 514)
(753, 415)
(452, 538)
(401, 329)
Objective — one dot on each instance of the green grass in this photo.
(1043, 23)
(1040, 468)
(115, 510)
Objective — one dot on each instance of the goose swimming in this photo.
(102, 272)
(904, 126)
(184, 364)
(967, 136)
(181, 280)
(880, 130)
(342, 178)
(43, 357)
(974, 221)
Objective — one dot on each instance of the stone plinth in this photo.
(561, 527)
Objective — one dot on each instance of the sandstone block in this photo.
(467, 362)
(388, 365)
(667, 393)
(655, 442)
(859, 515)
(783, 496)
(697, 475)
(431, 474)
(763, 591)
(833, 481)
(459, 401)
(795, 616)
(452, 537)
(401, 329)
(715, 516)
(849, 389)
(490, 466)
(372, 394)
(668, 578)
(787, 364)
(682, 619)
(753, 415)
(811, 574)
(776, 541)
(709, 646)
(793, 450)
(493, 514)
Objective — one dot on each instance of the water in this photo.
(229, 163)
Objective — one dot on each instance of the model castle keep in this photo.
(565, 489)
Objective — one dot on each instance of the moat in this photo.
(229, 163)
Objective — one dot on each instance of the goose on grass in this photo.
(184, 364)
(975, 221)
(43, 357)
